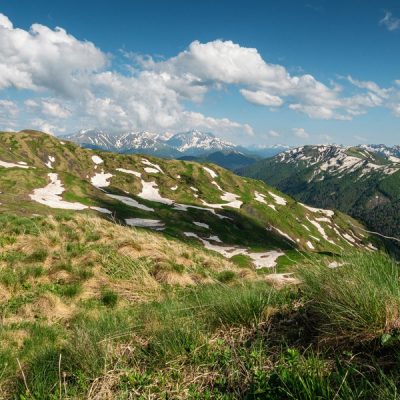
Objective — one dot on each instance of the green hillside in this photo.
(127, 276)
(353, 180)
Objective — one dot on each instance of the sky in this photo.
(251, 71)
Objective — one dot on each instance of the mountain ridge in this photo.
(362, 181)
(191, 143)
(166, 194)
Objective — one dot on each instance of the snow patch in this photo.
(212, 173)
(260, 197)
(146, 223)
(130, 202)
(152, 165)
(310, 245)
(328, 213)
(278, 199)
(101, 210)
(100, 180)
(202, 224)
(129, 171)
(260, 260)
(49, 163)
(6, 164)
(50, 195)
(151, 192)
(97, 160)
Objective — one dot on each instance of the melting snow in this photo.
(97, 160)
(284, 234)
(227, 196)
(50, 195)
(201, 224)
(310, 245)
(328, 213)
(129, 171)
(130, 202)
(278, 199)
(211, 172)
(151, 170)
(150, 164)
(260, 260)
(146, 223)
(174, 187)
(49, 163)
(13, 165)
(215, 238)
(260, 197)
(101, 210)
(216, 184)
(100, 180)
(151, 192)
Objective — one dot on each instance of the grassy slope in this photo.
(93, 309)
(75, 167)
(90, 309)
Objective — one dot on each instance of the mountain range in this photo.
(194, 145)
(363, 181)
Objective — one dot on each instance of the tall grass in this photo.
(358, 301)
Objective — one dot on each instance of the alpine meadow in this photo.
(199, 200)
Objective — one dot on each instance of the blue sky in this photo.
(320, 71)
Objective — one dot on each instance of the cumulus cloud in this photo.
(261, 98)
(73, 84)
(390, 22)
(42, 58)
(46, 126)
(300, 133)
(49, 107)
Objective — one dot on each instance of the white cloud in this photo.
(261, 98)
(5, 22)
(300, 133)
(273, 133)
(49, 107)
(390, 22)
(369, 85)
(78, 87)
(46, 126)
(42, 58)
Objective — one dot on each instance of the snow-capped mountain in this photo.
(125, 142)
(363, 181)
(191, 143)
(323, 160)
(383, 150)
(194, 142)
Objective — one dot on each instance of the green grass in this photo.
(358, 301)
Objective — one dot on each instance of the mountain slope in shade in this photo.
(232, 160)
(356, 180)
